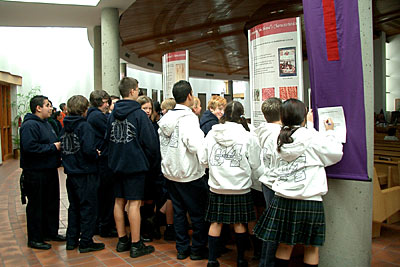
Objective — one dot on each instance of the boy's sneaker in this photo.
(71, 246)
(124, 246)
(140, 249)
(169, 234)
(91, 247)
(199, 255)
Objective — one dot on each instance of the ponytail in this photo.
(244, 123)
(285, 135)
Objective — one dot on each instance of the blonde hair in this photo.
(144, 99)
(196, 102)
(216, 101)
(168, 104)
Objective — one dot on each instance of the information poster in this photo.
(275, 62)
(175, 68)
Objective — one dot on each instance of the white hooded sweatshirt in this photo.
(267, 134)
(299, 172)
(180, 141)
(232, 154)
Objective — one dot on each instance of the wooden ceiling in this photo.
(214, 31)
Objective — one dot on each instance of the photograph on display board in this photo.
(286, 92)
(287, 61)
(268, 93)
(256, 93)
(180, 73)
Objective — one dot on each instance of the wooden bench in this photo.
(386, 203)
(388, 172)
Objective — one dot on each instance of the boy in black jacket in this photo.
(132, 144)
(40, 159)
(97, 118)
(79, 154)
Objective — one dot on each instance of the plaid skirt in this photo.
(230, 209)
(292, 221)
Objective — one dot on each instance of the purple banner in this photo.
(332, 26)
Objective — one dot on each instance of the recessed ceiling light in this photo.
(60, 2)
(170, 41)
(161, 43)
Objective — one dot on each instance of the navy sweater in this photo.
(207, 121)
(38, 151)
(98, 121)
(78, 150)
(132, 143)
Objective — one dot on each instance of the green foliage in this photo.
(21, 107)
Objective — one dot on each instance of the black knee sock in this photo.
(123, 239)
(257, 243)
(241, 240)
(281, 263)
(213, 247)
(310, 265)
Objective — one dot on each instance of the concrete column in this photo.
(97, 58)
(110, 50)
(348, 204)
(123, 70)
(380, 73)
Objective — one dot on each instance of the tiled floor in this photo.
(14, 252)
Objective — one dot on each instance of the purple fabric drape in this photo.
(338, 82)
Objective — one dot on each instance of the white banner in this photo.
(175, 68)
(275, 63)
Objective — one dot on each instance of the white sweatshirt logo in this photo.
(122, 131)
(221, 153)
(69, 143)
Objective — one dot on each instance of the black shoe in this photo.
(146, 238)
(183, 255)
(124, 246)
(59, 238)
(169, 234)
(213, 264)
(39, 245)
(140, 250)
(200, 255)
(71, 246)
(91, 247)
(242, 263)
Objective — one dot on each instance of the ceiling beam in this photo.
(197, 27)
(387, 17)
(171, 48)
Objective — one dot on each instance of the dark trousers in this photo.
(189, 197)
(82, 210)
(106, 198)
(268, 248)
(43, 208)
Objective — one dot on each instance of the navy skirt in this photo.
(230, 209)
(292, 221)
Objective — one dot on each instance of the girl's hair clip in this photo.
(286, 127)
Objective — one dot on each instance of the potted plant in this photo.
(21, 107)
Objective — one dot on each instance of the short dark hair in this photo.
(62, 105)
(37, 100)
(181, 90)
(126, 84)
(271, 108)
(96, 98)
(77, 105)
